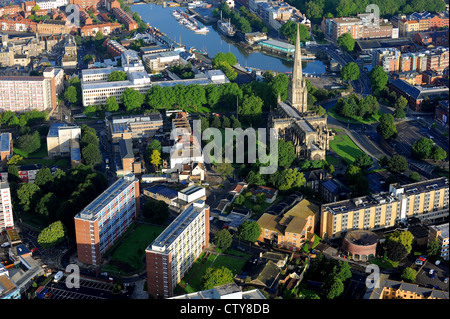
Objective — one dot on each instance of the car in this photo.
(437, 262)
(419, 262)
(34, 249)
(6, 244)
(446, 280)
(422, 258)
(433, 276)
(431, 271)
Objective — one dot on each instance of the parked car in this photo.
(433, 276)
(5, 244)
(431, 271)
(419, 262)
(446, 280)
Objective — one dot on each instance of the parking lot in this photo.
(87, 290)
(425, 279)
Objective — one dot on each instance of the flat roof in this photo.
(90, 211)
(5, 141)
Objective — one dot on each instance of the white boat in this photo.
(202, 30)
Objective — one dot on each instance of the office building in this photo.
(6, 214)
(63, 140)
(106, 218)
(426, 200)
(175, 250)
(133, 126)
(440, 232)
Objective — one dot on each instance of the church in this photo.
(292, 120)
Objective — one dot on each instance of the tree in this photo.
(71, 94)
(397, 164)
(132, 99)
(438, 153)
(409, 275)
(28, 194)
(332, 288)
(91, 154)
(13, 174)
(153, 145)
(157, 212)
(346, 42)
(395, 250)
(224, 169)
(404, 237)
(433, 248)
(44, 177)
(386, 128)
(364, 161)
(15, 160)
(289, 30)
(378, 78)
(51, 235)
(250, 109)
(216, 277)
(112, 105)
(421, 149)
(47, 206)
(89, 138)
(223, 239)
(249, 230)
(156, 158)
(399, 113)
(228, 57)
(286, 153)
(29, 143)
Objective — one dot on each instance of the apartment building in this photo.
(114, 48)
(26, 93)
(6, 148)
(416, 22)
(51, 4)
(175, 250)
(86, 3)
(27, 173)
(440, 232)
(133, 126)
(16, 23)
(427, 200)
(63, 140)
(106, 218)
(292, 229)
(10, 10)
(124, 18)
(106, 28)
(54, 27)
(6, 214)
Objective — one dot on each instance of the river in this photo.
(214, 42)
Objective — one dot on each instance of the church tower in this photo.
(297, 93)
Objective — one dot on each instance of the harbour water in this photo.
(214, 42)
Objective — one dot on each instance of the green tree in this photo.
(29, 143)
(433, 248)
(421, 149)
(409, 275)
(111, 104)
(47, 206)
(223, 239)
(386, 128)
(289, 30)
(44, 177)
(332, 288)
(228, 57)
(397, 163)
(346, 42)
(13, 174)
(404, 237)
(378, 78)
(51, 235)
(91, 154)
(395, 250)
(216, 277)
(71, 94)
(249, 230)
(89, 138)
(438, 153)
(28, 194)
(250, 109)
(132, 99)
(286, 153)
(364, 161)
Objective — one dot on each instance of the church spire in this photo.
(297, 72)
(297, 95)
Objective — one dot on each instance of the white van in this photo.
(6, 244)
(58, 276)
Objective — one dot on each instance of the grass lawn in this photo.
(343, 146)
(388, 264)
(131, 250)
(41, 152)
(193, 278)
(357, 120)
(333, 161)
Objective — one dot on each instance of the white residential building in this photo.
(51, 4)
(6, 214)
